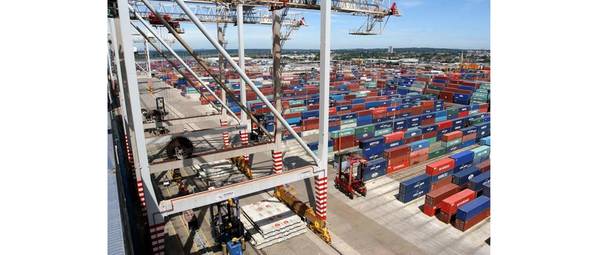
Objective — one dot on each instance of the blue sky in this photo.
(463, 24)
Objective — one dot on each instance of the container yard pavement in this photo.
(376, 224)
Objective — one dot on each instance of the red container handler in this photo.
(465, 225)
(440, 166)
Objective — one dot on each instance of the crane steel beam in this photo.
(195, 200)
(359, 7)
(192, 134)
(177, 121)
(210, 156)
(244, 76)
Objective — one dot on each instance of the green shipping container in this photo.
(298, 109)
(383, 131)
(437, 153)
(482, 151)
(473, 112)
(296, 102)
(349, 121)
(451, 143)
(435, 146)
(342, 133)
(431, 140)
(452, 111)
(364, 129)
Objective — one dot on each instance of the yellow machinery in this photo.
(242, 165)
(316, 224)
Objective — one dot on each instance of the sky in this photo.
(460, 24)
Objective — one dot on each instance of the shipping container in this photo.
(440, 166)
(374, 168)
(477, 182)
(462, 177)
(450, 204)
(462, 158)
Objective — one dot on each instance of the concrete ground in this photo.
(376, 224)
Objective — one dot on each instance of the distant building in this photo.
(390, 50)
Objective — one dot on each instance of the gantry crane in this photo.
(157, 208)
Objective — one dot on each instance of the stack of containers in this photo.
(343, 139)
(394, 139)
(472, 213)
(374, 168)
(469, 136)
(413, 188)
(451, 141)
(462, 177)
(463, 160)
(481, 153)
(448, 206)
(436, 150)
(435, 196)
(398, 158)
(477, 183)
(419, 152)
(483, 130)
(440, 172)
(485, 141)
(372, 148)
(486, 189)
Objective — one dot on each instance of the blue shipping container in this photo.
(473, 208)
(418, 145)
(375, 168)
(476, 183)
(415, 183)
(462, 177)
(463, 157)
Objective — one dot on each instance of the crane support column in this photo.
(276, 80)
(321, 180)
(220, 29)
(147, 60)
(137, 137)
(243, 92)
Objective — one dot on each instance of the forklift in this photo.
(350, 173)
(227, 228)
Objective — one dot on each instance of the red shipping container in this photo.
(444, 217)
(364, 113)
(344, 142)
(439, 194)
(450, 204)
(428, 210)
(413, 139)
(451, 136)
(465, 225)
(445, 124)
(393, 137)
(426, 122)
(379, 110)
(332, 111)
(379, 115)
(292, 115)
(484, 165)
(463, 114)
(429, 135)
(358, 107)
(398, 151)
(343, 112)
(441, 182)
(469, 137)
(416, 159)
(313, 107)
(397, 163)
(431, 91)
(440, 166)
(483, 108)
(427, 103)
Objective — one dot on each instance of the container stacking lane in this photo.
(407, 221)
